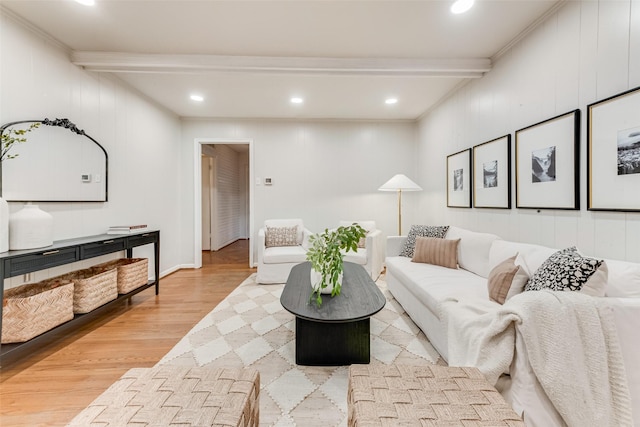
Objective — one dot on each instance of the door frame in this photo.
(197, 180)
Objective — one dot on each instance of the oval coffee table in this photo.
(337, 332)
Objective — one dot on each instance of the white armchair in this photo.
(282, 243)
(371, 256)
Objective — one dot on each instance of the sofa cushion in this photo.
(284, 254)
(503, 249)
(281, 236)
(359, 257)
(519, 280)
(430, 250)
(500, 279)
(567, 270)
(473, 250)
(432, 284)
(437, 231)
(624, 279)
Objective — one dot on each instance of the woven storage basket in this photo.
(93, 287)
(132, 272)
(31, 309)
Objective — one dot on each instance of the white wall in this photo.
(587, 51)
(37, 80)
(322, 171)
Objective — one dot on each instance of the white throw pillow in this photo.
(623, 280)
(473, 250)
(519, 280)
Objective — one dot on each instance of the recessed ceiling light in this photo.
(461, 6)
(296, 100)
(198, 98)
(391, 101)
(86, 2)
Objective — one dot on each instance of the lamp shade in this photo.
(400, 182)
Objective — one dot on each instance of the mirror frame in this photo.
(67, 124)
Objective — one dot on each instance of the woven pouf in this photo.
(381, 395)
(177, 396)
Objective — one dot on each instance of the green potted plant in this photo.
(12, 136)
(326, 254)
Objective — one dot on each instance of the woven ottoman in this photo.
(381, 395)
(177, 396)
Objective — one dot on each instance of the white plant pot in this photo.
(30, 228)
(316, 278)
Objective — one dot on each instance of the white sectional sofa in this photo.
(433, 295)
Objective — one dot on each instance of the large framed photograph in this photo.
(547, 164)
(492, 174)
(459, 179)
(613, 153)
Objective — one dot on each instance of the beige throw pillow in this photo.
(281, 236)
(500, 279)
(436, 251)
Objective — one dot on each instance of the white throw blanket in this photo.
(571, 344)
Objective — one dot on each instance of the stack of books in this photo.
(126, 229)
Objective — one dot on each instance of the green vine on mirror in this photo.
(14, 136)
(326, 254)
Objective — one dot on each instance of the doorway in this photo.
(223, 197)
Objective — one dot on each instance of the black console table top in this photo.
(61, 252)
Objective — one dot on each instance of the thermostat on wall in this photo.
(86, 177)
(267, 181)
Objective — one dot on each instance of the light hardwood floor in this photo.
(50, 387)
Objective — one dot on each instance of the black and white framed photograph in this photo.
(548, 163)
(459, 179)
(613, 153)
(492, 174)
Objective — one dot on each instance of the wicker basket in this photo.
(31, 309)
(94, 286)
(132, 272)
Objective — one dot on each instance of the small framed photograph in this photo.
(613, 153)
(459, 179)
(492, 174)
(547, 164)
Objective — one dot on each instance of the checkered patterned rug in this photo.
(250, 328)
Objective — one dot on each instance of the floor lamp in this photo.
(400, 183)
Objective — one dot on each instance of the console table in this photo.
(61, 252)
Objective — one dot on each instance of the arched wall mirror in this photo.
(57, 163)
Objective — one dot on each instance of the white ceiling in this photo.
(247, 58)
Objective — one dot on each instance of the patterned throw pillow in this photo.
(565, 270)
(281, 236)
(437, 231)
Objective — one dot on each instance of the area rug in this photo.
(250, 328)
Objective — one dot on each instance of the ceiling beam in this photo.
(156, 63)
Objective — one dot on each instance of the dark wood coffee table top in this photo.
(359, 298)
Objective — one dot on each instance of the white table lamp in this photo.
(400, 183)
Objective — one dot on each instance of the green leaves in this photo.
(12, 136)
(326, 256)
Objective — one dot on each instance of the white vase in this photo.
(30, 228)
(4, 225)
(316, 278)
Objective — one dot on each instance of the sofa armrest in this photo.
(306, 233)
(395, 245)
(260, 245)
